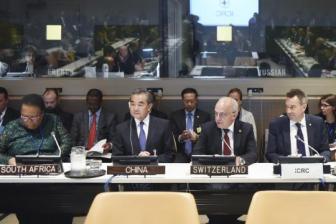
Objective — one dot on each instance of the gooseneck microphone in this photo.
(309, 146)
(58, 146)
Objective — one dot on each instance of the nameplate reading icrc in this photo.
(301, 170)
(136, 170)
(218, 170)
(38, 169)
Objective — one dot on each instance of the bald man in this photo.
(51, 101)
(226, 135)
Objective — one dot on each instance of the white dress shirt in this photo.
(293, 133)
(230, 134)
(145, 126)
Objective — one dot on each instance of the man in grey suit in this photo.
(94, 124)
(294, 133)
(226, 135)
(143, 134)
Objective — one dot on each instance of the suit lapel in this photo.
(150, 135)
(286, 136)
(135, 138)
(100, 124)
(196, 120)
(310, 130)
(183, 120)
(217, 140)
(86, 126)
(237, 137)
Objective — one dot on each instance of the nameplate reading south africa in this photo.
(38, 169)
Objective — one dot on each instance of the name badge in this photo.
(218, 170)
(136, 170)
(302, 171)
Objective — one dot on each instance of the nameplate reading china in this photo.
(136, 170)
(217, 170)
(38, 169)
(301, 170)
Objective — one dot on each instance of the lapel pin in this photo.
(240, 131)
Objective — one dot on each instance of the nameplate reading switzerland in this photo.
(218, 170)
(136, 170)
(38, 169)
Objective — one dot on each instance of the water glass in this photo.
(78, 158)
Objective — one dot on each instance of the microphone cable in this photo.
(107, 182)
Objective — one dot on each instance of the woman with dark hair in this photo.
(320, 114)
(328, 109)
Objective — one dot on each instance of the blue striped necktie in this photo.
(189, 126)
(142, 137)
(299, 144)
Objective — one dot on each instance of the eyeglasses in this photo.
(222, 115)
(325, 105)
(32, 118)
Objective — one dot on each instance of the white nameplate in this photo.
(301, 170)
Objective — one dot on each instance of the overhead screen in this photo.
(224, 12)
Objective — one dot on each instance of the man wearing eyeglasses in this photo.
(31, 133)
(226, 135)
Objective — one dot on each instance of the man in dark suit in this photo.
(143, 134)
(294, 133)
(186, 124)
(51, 101)
(95, 124)
(7, 114)
(226, 135)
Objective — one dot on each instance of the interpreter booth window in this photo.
(254, 38)
(80, 38)
(167, 38)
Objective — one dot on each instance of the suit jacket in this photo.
(105, 129)
(178, 124)
(65, 117)
(279, 137)
(159, 137)
(10, 115)
(210, 141)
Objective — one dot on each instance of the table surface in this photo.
(175, 173)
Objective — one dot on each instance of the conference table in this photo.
(59, 194)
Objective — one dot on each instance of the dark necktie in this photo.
(226, 143)
(299, 144)
(142, 137)
(92, 132)
(189, 126)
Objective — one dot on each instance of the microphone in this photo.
(58, 146)
(310, 147)
(228, 145)
(130, 134)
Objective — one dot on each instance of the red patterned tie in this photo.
(226, 143)
(92, 133)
